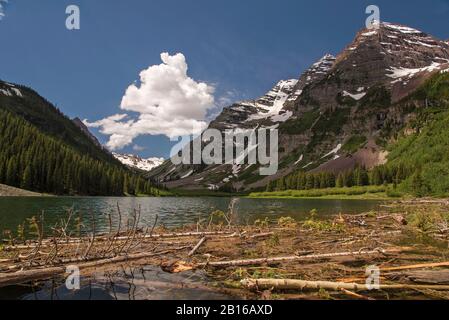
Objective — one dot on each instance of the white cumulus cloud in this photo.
(167, 100)
(2, 9)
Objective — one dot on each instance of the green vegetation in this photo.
(345, 100)
(202, 193)
(359, 176)
(367, 192)
(286, 222)
(354, 143)
(436, 88)
(44, 151)
(376, 97)
(321, 225)
(302, 124)
(36, 161)
(425, 152)
(49, 120)
(418, 163)
(331, 121)
(428, 219)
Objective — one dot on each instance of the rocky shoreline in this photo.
(7, 191)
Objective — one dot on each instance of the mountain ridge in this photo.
(332, 102)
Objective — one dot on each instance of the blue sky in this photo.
(242, 47)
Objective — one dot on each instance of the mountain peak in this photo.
(392, 51)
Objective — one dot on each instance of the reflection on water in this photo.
(149, 283)
(172, 212)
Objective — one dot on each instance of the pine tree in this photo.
(27, 178)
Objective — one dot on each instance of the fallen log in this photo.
(292, 284)
(19, 277)
(200, 243)
(261, 235)
(74, 241)
(234, 263)
(355, 295)
(424, 276)
(417, 266)
(164, 285)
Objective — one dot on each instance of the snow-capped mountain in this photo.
(355, 94)
(269, 110)
(137, 162)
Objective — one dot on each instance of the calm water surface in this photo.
(172, 212)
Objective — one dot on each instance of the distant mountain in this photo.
(42, 150)
(342, 112)
(137, 162)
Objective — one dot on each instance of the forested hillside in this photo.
(42, 150)
(32, 160)
(418, 160)
(424, 145)
(29, 105)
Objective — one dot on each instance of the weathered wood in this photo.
(293, 284)
(261, 235)
(259, 261)
(417, 266)
(423, 276)
(199, 244)
(19, 277)
(355, 295)
(75, 241)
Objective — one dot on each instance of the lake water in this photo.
(146, 283)
(172, 212)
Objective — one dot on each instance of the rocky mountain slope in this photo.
(341, 112)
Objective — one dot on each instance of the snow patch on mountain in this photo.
(402, 29)
(356, 96)
(17, 92)
(188, 174)
(400, 73)
(271, 105)
(368, 34)
(300, 159)
(11, 92)
(137, 162)
(334, 151)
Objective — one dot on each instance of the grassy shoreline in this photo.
(353, 193)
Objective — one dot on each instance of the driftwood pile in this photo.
(284, 259)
